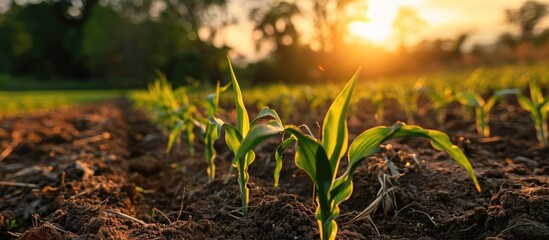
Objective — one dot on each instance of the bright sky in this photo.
(483, 19)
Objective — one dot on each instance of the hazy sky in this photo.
(483, 19)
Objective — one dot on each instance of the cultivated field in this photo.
(283, 161)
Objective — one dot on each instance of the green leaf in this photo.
(213, 101)
(498, 95)
(334, 128)
(535, 91)
(342, 189)
(210, 135)
(439, 141)
(174, 133)
(267, 112)
(242, 119)
(368, 143)
(278, 157)
(544, 106)
(311, 157)
(189, 136)
(526, 103)
(213, 98)
(471, 99)
(257, 135)
(244, 155)
(232, 137)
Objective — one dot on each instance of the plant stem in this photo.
(541, 130)
(327, 229)
(410, 117)
(379, 114)
(211, 170)
(244, 191)
(467, 113)
(482, 119)
(441, 116)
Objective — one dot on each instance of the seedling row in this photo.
(183, 118)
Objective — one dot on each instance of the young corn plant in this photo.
(538, 106)
(441, 96)
(470, 84)
(320, 158)
(210, 130)
(173, 111)
(482, 107)
(236, 137)
(377, 99)
(161, 102)
(185, 122)
(407, 98)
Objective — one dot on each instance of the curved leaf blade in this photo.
(439, 140)
(311, 157)
(232, 137)
(470, 99)
(242, 119)
(335, 134)
(257, 135)
(267, 112)
(278, 158)
(174, 133)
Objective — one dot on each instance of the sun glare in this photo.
(379, 26)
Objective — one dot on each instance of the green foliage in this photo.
(173, 111)
(38, 31)
(11, 224)
(23, 102)
(538, 106)
(245, 136)
(320, 158)
(376, 97)
(211, 130)
(440, 97)
(407, 98)
(482, 107)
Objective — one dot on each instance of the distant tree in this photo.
(527, 17)
(276, 26)
(180, 22)
(406, 24)
(42, 39)
(508, 40)
(330, 19)
(457, 47)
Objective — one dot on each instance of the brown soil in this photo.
(100, 172)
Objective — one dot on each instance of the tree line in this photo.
(123, 42)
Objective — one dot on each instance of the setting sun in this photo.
(377, 26)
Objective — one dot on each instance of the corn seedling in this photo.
(482, 107)
(538, 106)
(237, 137)
(471, 84)
(320, 158)
(210, 130)
(407, 98)
(173, 111)
(377, 100)
(440, 96)
(184, 125)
